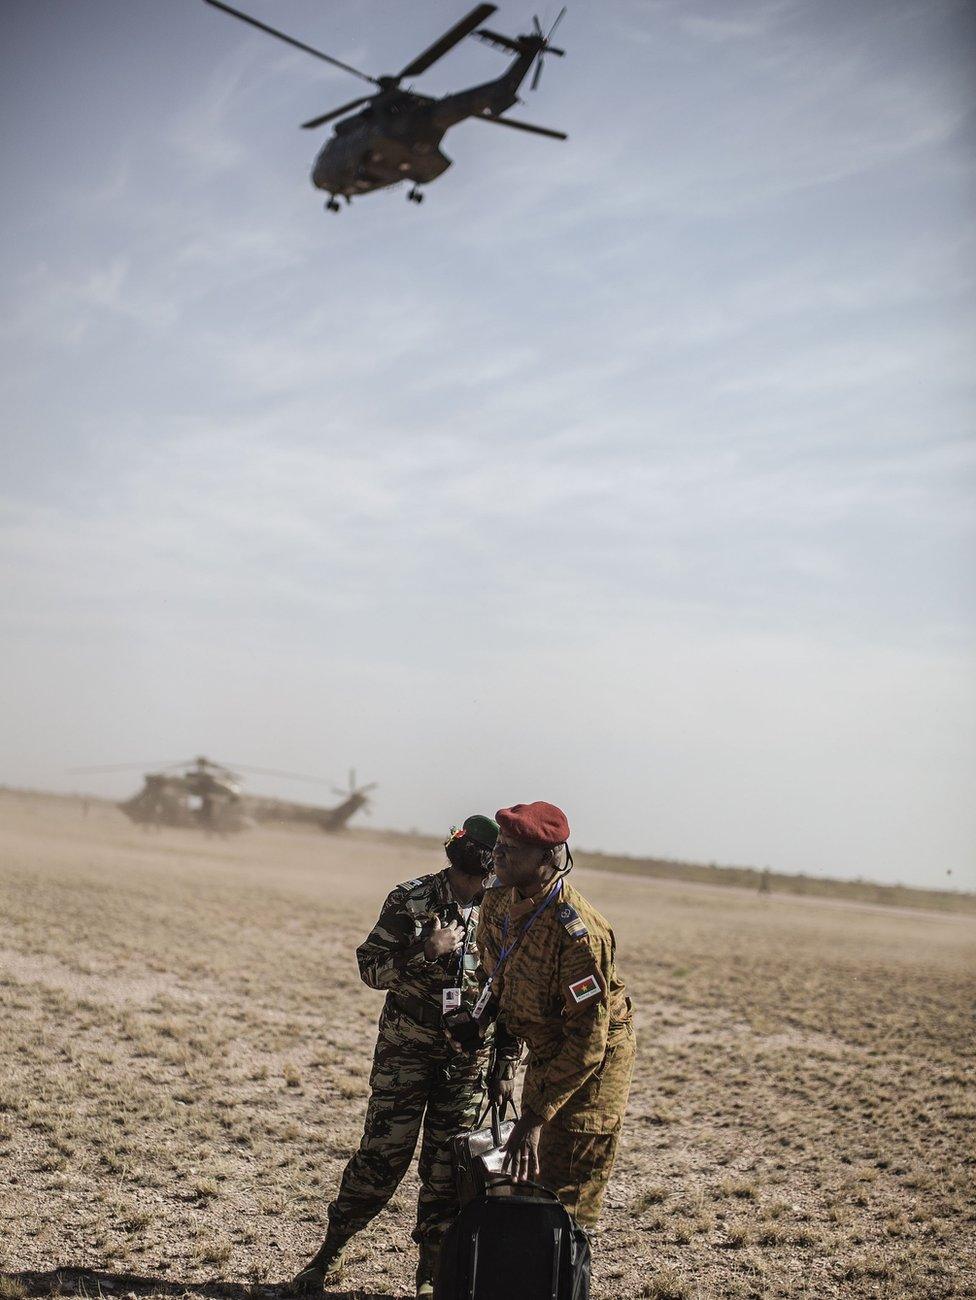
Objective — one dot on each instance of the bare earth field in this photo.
(184, 1048)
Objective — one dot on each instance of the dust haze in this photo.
(631, 471)
(186, 1047)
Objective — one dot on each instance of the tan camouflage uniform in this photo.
(415, 1070)
(558, 992)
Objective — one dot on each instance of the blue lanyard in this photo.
(509, 948)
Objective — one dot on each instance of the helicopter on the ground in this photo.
(354, 799)
(396, 136)
(207, 795)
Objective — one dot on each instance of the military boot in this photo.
(427, 1269)
(324, 1266)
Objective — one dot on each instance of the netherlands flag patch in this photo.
(585, 988)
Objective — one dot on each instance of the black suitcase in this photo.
(514, 1242)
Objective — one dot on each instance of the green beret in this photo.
(483, 830)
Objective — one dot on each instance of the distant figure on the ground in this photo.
(423, 951)
(549, 959)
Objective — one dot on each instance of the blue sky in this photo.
(633, 473)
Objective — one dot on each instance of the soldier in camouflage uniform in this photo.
(423, 952)
(550, 957)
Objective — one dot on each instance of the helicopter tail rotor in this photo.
(545, 47)
(537, 43)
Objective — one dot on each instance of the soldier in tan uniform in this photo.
(548, 956)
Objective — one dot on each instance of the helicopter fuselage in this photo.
(397, 138)
(374, 149)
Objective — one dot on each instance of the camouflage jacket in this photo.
(558, 991)
(392, 955)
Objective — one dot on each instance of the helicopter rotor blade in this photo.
(499, 41)
(448, 41)
(121, 767)
(520, 126)
(559, 17)
(290, 40)
(537, 75)
(273, 771)
(336, 112)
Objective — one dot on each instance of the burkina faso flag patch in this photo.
(585, 988)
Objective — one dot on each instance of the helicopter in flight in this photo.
(208, 796)
(397, 135)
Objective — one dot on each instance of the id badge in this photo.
(450, 1000)
(482, 1002)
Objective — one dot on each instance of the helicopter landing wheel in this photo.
(415, 195)
(332, 205)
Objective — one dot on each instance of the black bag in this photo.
(477, 1156)
(514, 1242)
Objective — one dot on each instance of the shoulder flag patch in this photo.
(411, 884)
(585, 988)
(569, 919)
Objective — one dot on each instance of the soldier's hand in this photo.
(443, 939)
(522, 1149)
(501, 1092)
(463, 1032)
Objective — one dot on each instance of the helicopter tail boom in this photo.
(490, 100)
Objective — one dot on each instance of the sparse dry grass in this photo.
(185, 1048)
(666, 1285)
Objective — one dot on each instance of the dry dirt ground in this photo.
(184, 1048)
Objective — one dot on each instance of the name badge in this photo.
(482, 1002)
(450, 1000)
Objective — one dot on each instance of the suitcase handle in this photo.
(497, 1117)
(504, 1180)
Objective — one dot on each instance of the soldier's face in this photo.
(526, 866)
(478, 866)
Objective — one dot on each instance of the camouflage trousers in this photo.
(417, 1080)
(579, 1145)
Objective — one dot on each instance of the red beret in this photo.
(536, 823)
